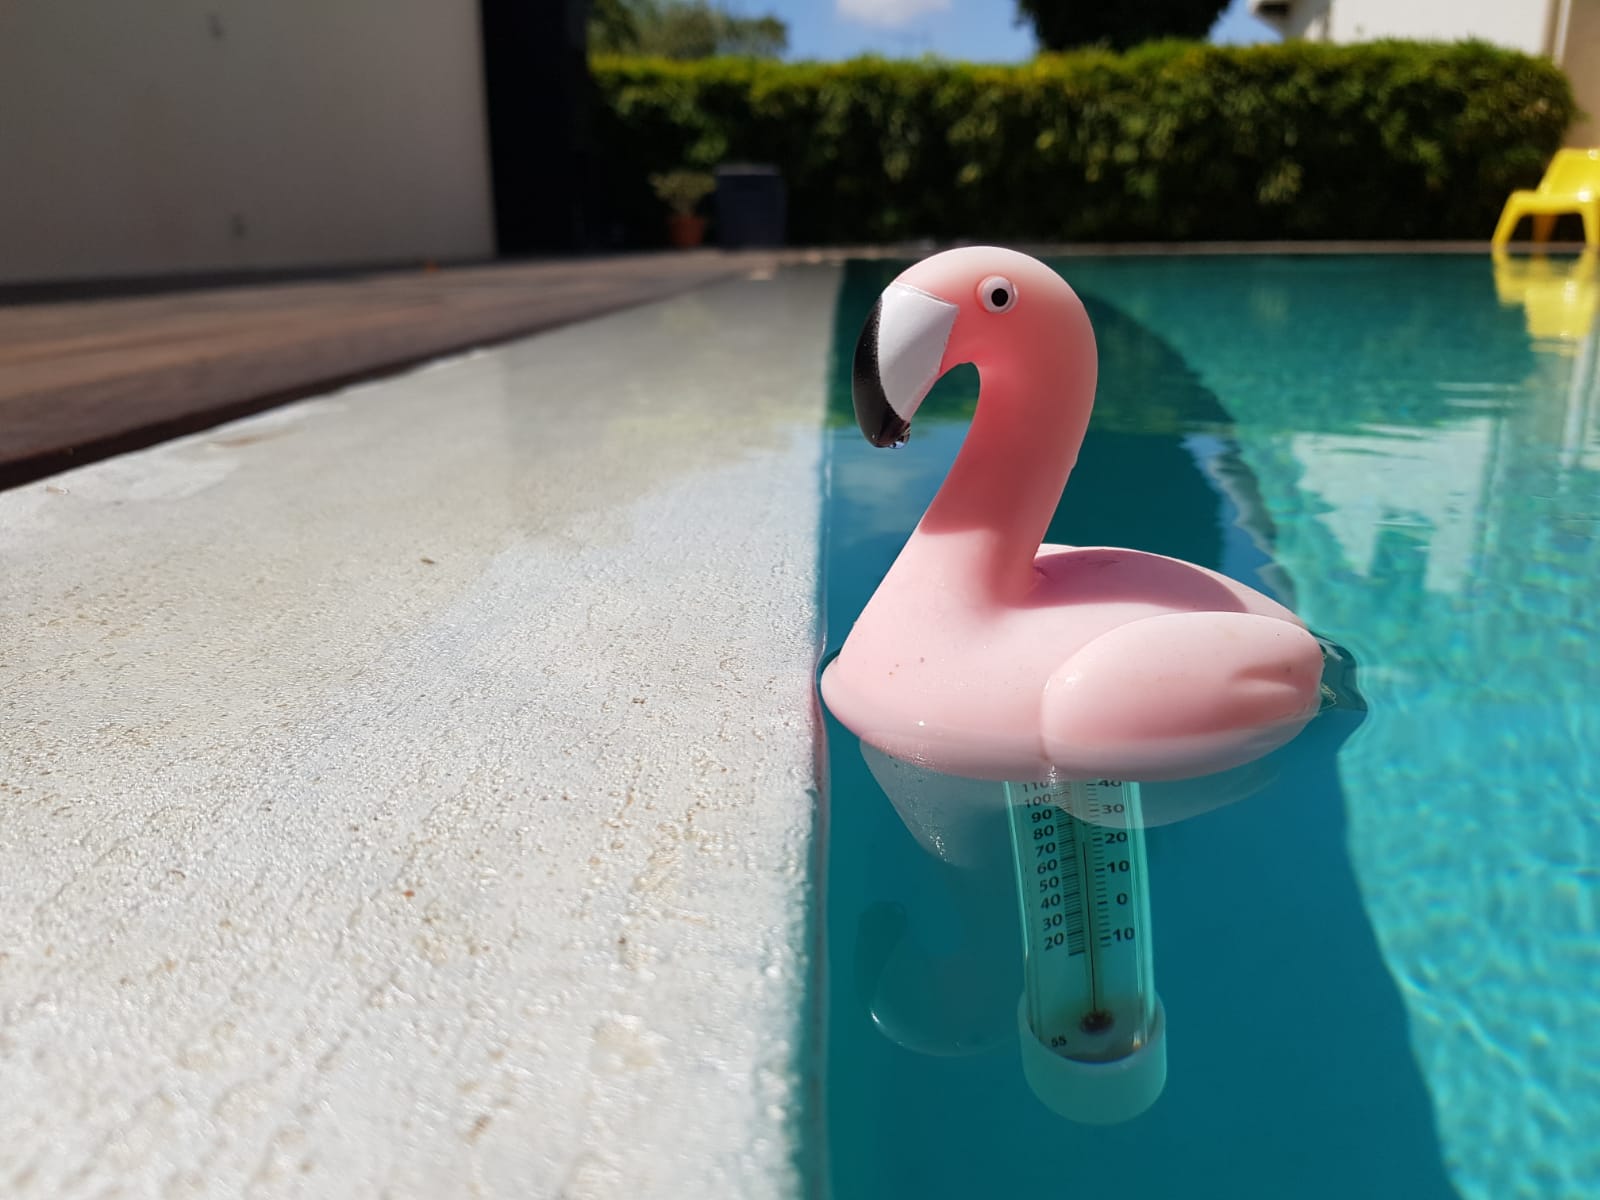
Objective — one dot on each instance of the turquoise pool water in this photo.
(1381, 973)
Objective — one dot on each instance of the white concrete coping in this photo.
(409, 792)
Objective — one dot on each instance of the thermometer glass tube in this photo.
(1081, 879)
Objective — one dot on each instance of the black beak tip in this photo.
(893, 432)
(877, 418)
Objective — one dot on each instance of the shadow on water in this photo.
(1291, 1071)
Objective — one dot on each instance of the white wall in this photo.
(1580, 58)
(142, 137)
(1515, 24)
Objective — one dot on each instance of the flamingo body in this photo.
(985, 654)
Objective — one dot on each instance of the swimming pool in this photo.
(1380, 972)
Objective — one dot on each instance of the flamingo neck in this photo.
(980, 535)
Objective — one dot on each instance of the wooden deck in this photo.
(83, 379)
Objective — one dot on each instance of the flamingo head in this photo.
(997, 308)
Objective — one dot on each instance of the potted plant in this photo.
(681, 191)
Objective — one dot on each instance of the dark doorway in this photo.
(536, 80)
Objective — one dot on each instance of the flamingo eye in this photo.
(997, 294)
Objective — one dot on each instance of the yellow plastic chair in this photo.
(1571, 183)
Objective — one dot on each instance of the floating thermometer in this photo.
(1092, 1029)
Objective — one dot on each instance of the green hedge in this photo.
(1171, 140)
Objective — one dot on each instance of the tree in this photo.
(612, 28)
(682, 29)
(1063, 24)
(753, 37)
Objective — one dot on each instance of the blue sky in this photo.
(976, 30)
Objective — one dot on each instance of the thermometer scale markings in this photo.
(1081, 898)
(1058, 852)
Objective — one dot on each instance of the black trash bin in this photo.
(751, 205)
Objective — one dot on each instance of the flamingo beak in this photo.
(898, 357)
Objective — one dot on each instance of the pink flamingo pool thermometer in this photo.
(1062, 672)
